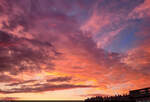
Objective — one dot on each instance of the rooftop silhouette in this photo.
(140, 95)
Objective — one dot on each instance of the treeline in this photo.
(118, 98)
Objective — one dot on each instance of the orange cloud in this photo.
(138, 61)
(8, 98)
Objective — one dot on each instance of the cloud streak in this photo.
(42, 88)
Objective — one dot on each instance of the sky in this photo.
(73, 49)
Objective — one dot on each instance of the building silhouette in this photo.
(140, 95)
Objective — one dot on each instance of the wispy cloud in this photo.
(42, 88)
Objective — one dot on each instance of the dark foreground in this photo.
(140, 95)
(43, 101)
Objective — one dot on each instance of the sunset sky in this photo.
(73, 49)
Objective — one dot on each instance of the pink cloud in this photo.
(95, 23)
(141, 11)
